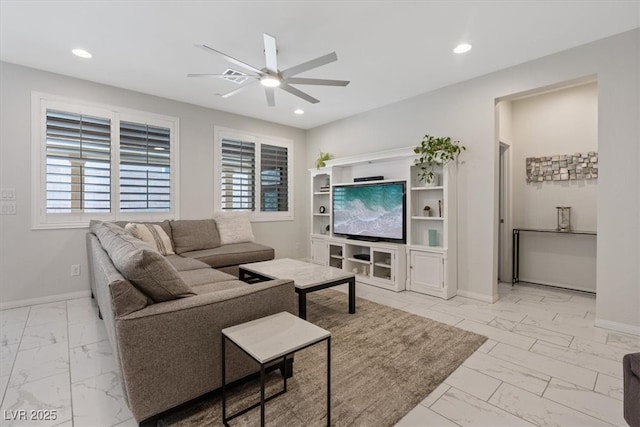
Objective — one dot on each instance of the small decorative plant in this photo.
(322, 158)
(435, 151)
(426, 210)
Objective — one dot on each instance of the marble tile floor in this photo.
(544, 363)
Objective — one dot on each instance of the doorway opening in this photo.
(547, 157)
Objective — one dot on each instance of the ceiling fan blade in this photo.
(227, 76)
(300, 94)
(240, 89)
(229, 58)
(309, 65)
(322, 82)
(271, 53)
(271, 99)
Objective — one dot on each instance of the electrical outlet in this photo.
(75, 270)
(7, 193)
(7, 208)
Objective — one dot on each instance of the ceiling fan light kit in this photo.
(270, 81)
(271, 77)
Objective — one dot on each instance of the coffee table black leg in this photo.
(302, 305)
(329, 381)
(352, 295)
(262, 401)
(224, 385)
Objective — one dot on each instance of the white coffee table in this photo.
(270, 338)
(306, 276)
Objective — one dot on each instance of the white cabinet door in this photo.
(319, 251)
(426, 271)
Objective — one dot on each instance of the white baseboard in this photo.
(620, 327)
(480, 297)
(44, 300)
(557, 285)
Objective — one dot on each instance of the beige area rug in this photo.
(384, 362)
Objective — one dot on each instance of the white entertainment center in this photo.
(427, 261)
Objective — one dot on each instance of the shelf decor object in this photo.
(322, 158)
(434, 151)
(433, 237)
(564, 218)
(562, 167)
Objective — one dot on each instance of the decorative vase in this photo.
(433, 237)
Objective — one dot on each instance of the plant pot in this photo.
(434, 182)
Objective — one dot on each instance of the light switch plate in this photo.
(7, 208)
(7, 193)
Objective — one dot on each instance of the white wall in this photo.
(36, 264)
(562, 121)
(466, 111)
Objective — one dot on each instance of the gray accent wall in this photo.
(467, 112)
(35, 264)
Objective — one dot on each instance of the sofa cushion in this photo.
(233, 254)
(219, 286)
(234, 227)
(194, 234)
(125, 298)
(164, 224)
(204, 276)
(153, 235)
(142, 265)
(181, 263)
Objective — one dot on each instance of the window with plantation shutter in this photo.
(145, 168)
(78, 163)
(100, 162)
(254, 174)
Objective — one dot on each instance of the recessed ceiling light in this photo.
(298, 112)
(462, 48)
(81, 53)
(270, 81)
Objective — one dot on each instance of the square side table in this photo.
(267, 339)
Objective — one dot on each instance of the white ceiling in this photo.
(389, 50)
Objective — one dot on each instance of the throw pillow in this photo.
(234, 227)
(153, 235)
(142, 265)
(194, 235)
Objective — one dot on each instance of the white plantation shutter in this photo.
(145, 168)
(78, 163)
(101, 162)
(238, 173)
(253, 173)
(274, 178)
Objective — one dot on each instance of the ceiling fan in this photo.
(271, 77)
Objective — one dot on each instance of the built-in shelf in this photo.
(320, 214)
(322, 193)
(359, 261)
(439, 187)
(379, 264)
(428, 218)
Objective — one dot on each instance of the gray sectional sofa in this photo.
(164, 314)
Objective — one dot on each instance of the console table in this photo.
(515, 253)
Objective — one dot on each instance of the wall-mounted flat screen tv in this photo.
(371, 211)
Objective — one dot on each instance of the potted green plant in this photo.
(426, 211)
(434, 151)
(322, 158)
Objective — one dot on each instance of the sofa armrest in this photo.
(631, 374)
(171, 352)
